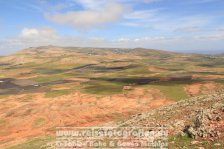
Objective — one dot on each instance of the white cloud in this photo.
(90, 17)
(141, 14)
(29, 37)
(188, 29)
(157, 20)
(184, 44)
(32, 33)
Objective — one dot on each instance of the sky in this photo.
(175, 25)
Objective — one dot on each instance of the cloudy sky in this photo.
(177, 25)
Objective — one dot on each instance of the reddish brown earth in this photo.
(200, 88)
(21, 113)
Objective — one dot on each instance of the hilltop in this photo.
(195, 122)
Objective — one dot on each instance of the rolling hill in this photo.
(45, 87)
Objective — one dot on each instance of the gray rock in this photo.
(200, 127)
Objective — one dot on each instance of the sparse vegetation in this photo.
(93, 82)
(180, 142)
(35, 143)
(103, 88)
(171, 90)
(2, 76)
(38, 122)
(56, 93)
(2, 122)
(50, 78)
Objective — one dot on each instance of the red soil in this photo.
(20, 112)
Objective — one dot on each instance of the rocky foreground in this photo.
(193, 123)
